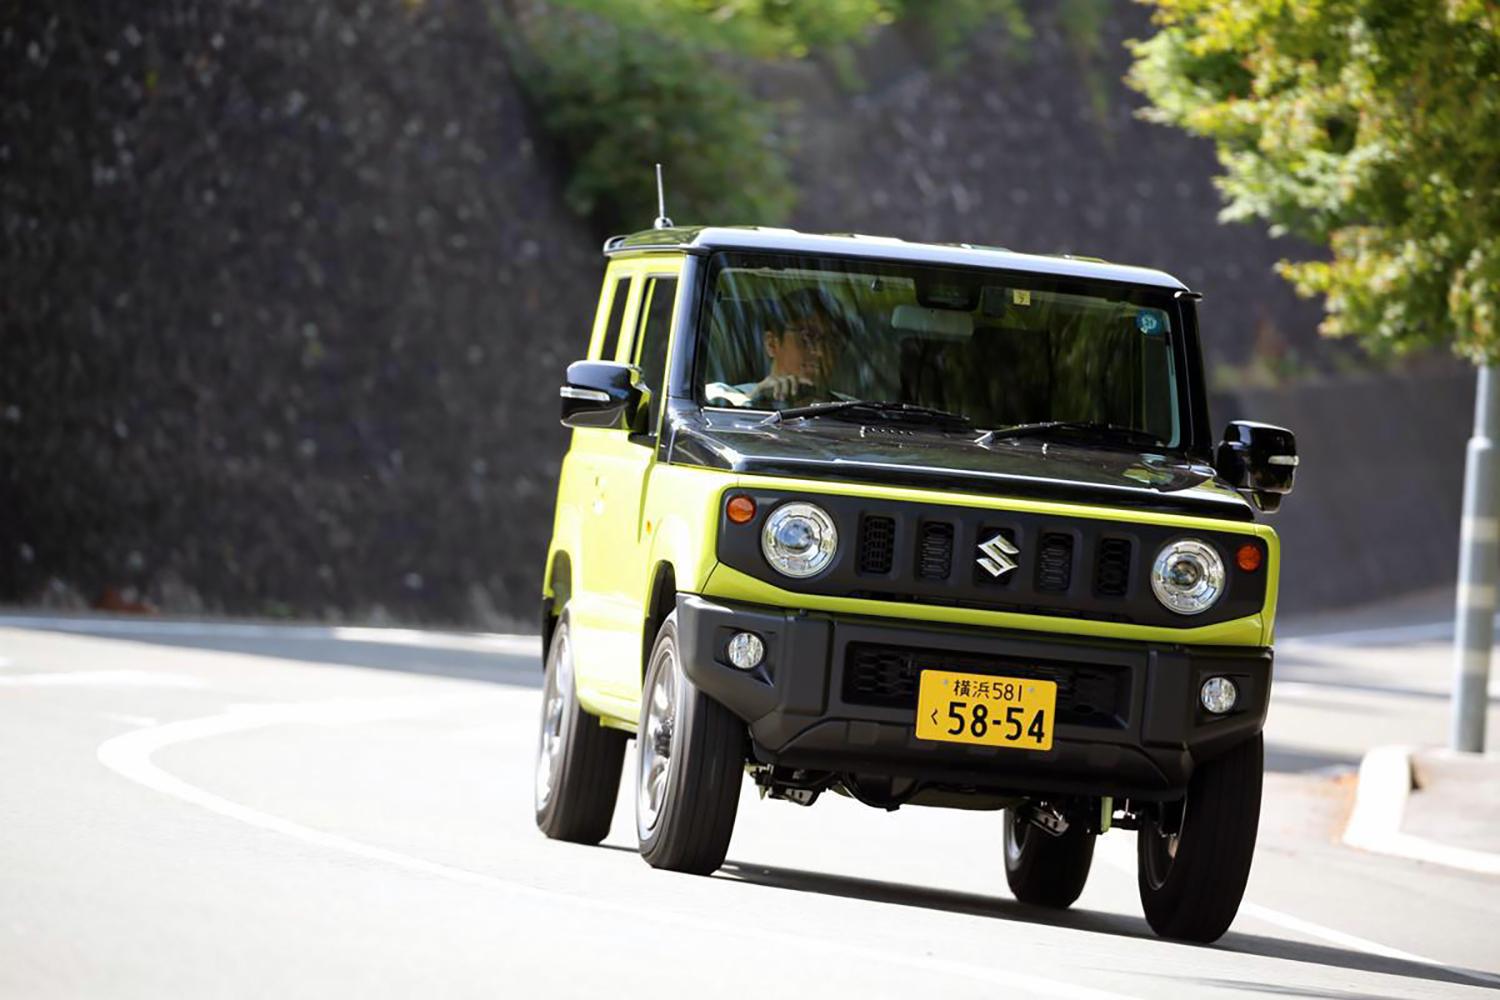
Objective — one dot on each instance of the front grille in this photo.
(886, 676)
(1112, 571)
(1050, 563)
(1054, 562)
(935, 553)
(877, 544)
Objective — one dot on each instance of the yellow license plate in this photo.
(1011, 712)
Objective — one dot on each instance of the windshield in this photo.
(998, 348)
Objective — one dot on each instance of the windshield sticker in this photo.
(1149, 322)
(1020, 296)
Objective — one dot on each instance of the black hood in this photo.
(908, 454)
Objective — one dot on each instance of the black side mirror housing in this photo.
(604, 394)
(1259, 460)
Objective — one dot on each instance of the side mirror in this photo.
(603, 394)
(1260, 461)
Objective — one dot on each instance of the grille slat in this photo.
(1054, 564)
(887, 676)
(1112, 570)
(935, 551)
(877, 544)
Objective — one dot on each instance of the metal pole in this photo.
(1478, 566)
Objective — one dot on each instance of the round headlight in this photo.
(1188, 576)
(798, 539)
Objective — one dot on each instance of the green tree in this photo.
(1369, 126)
(616, 97)
(621, 84)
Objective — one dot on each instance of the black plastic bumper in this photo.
(1132, 724)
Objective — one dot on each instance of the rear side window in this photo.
(651, 340)
(618, 296)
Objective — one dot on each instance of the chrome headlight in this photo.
(1188, 576)
(799, 539)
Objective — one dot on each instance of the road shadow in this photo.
(492, 660)
(1088, 921)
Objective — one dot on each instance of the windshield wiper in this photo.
(1092, 429)
(865, 407)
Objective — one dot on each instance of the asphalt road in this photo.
(198, 810)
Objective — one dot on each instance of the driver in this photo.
(803, 347)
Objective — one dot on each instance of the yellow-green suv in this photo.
(936, 525)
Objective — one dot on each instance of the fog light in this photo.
(746, 650)
(1218, 695)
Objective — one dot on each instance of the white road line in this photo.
(490, 732)
(1388, 634)
(1307, 689)
(518, 645)
(1116, 858)
(100, 678)
(521, 645)
(1353, 942)
(128, 720)
(129, 755)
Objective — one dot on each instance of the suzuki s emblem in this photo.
(995, 556)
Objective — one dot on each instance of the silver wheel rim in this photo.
(1014, 839)
(556, 695)
(1161, 852)
(654, 743)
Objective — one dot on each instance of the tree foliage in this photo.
(622, 84)
(617, 97)
(1370, 126)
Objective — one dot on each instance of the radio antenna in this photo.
(662, 222)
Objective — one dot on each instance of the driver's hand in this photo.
(780, 388)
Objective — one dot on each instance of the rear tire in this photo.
(1044, 870)
(578, 760)
(1191, 884)
(690, 759)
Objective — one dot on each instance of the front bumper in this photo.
(836, 693)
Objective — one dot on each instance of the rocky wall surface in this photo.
(282, 328)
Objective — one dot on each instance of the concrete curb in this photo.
(1385, 784)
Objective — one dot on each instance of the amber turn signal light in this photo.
(1248, 557)
(740, 509)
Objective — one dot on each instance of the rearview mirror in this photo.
(603, 394)
(1259, 460)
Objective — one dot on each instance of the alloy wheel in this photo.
(655, 741)
(556, 695)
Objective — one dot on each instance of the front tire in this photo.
(578, 761)
(690, 758)
(1192, 882)
(1044, 870)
